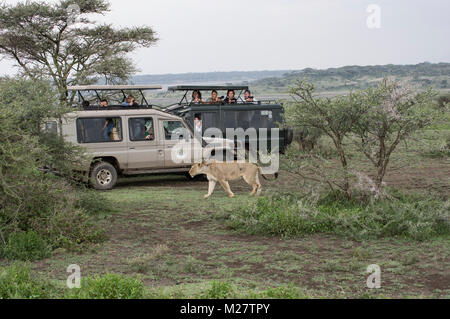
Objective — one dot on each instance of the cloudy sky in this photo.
(247, 35)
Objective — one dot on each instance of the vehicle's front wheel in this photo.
(103, 176)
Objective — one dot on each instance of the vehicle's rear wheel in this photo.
(103, 176)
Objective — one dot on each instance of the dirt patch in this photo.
(437, 281)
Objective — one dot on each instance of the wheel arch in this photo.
(109, 159)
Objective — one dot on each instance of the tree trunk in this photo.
(343, 159)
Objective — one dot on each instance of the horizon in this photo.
(288, 70)
(280, 35)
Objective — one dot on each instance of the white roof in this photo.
(120, 112)
(112, 87)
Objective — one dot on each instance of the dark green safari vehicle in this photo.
(257, 114)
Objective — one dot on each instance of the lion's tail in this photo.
(260, 171)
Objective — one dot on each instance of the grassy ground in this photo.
(164, 232)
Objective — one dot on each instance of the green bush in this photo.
(282, 216)
(25, 246)
(415, 218)
(109, 286)
(54, 207)
(16, 282)
(218, 290)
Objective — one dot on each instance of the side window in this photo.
(141, 129)
(174, 130)
(99, 130)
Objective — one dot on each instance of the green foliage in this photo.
(28, 102)
(16, 282)
(334, 117)
(353, 77)
(25, 105)
(390, 114)
(109, 286)
(41, 38)
(31, 200)
(443, 100)
(290, 291)
(288, 216)
(218, 290)
(307, 137)
(375, 120)
(281, 216)
(27, 246)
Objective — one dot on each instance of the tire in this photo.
(103, 176)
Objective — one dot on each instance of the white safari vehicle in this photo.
(133, 140)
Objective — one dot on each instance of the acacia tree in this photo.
(390, 113)
(334, 117)
(62, 41)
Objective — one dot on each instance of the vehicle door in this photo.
(178, 143)
(145, 147)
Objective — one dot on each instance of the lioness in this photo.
(223, 172)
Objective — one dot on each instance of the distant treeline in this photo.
(436, 75)
(207, 77)
(422, 75)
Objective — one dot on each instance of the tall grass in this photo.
(417, 218)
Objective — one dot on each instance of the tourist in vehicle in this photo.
(149, 130)
(248, 97)
(107, 129)
(86, 104)
(196, 97)
(214, 97)
(130, 101)
(230, 99)
(104, 103)
(198, 124)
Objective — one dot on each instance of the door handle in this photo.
(132, 148)
(169, 146)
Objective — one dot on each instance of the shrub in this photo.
(109, 286)
(16, 282)
(47, 205)
(25, 246)
(218, 290)
(307, 137)
(72, 229)
(416, 218)
(282, 216)
(31, 200)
